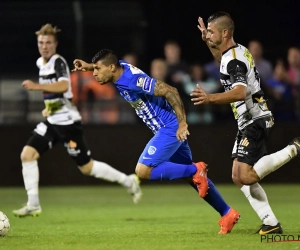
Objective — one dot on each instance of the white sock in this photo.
(259, 202)
(30, 173)
(270, 163)
(104, 171)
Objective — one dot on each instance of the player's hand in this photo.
(80, 65)
(202, 28)
(199, 96)
(182, 131)
(30, 85)
(45, 113)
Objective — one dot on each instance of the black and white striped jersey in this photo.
(238, 68)
(59, 105)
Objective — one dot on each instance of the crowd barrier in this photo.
(120, 146)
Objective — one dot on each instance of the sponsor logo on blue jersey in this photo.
(140, 81)
(147, 85)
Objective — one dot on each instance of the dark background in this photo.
(139, 26)
(121, 147)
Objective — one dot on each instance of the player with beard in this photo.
(241, 82)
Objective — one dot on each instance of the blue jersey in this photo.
(137, 88)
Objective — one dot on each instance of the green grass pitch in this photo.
(168, 217)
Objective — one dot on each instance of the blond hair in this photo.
(48, 29)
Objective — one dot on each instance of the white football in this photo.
(4, 224)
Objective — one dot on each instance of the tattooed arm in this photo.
(172, 96)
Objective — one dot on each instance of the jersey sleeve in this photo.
(61, 70)
(39, 62)
(143, 84)
(237, 71)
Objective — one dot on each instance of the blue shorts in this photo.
(164, 146)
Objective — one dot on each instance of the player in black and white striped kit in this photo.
(241, 82)
(62, 124)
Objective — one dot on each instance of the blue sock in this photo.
(214, 198)
(172, 171)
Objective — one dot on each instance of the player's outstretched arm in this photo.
(56, 87)
(172, 96)
(199, 96)
(201, 26)
(80, 65)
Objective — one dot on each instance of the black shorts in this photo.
(47, 135)
(251, 142)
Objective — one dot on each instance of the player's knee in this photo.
(239, 180)
(29, 154)
(86, 169)
(239, 177)
(235, 178)
(243, 174)
(245, 179)
(142, 171)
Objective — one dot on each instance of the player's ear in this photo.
(112, 67)
(225, 33)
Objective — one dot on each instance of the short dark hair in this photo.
(107, 56)
(228, 22)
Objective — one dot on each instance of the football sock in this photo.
(259, 202)
(102, 170)
(30, 173)
(215, 199)
(172, 171)
(270, 163)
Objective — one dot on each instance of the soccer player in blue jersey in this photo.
(167, 156)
